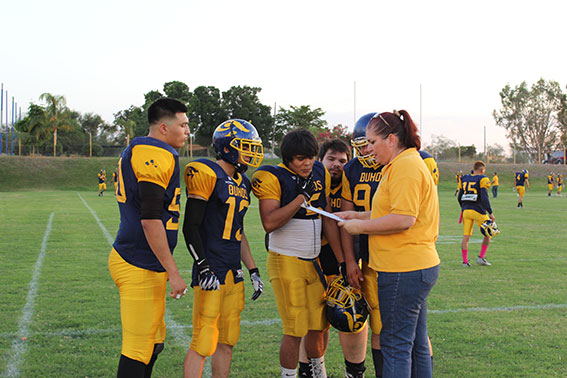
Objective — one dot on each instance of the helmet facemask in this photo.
(367, 160)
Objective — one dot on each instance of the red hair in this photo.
(398, 123)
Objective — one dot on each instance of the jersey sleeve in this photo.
(265, 185)
(484, 183)
(433, 169)
(327, 183)
(200, 179)
(152, 164)
(346, 194)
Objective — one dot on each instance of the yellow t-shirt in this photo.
(495, 180)
(406, 188)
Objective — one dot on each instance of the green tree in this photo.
(57, 115)
(243, 103)
(139, 124)
(299, 116)
(177, 90)
(205, 113)
(531, 116)
(33, 125)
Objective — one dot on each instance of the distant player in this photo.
(475, 205)
(559, 184)
(550, 180)
(115, 180)
(101, 182)
(141, 261)
(218, 195)
(495, 184)
(458, 179)
(521, 183)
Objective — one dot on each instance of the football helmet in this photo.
(240, 139)
(489, 228)
(359, 141)
(525, 171)
(346, 308)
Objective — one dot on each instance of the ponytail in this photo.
(398, 123)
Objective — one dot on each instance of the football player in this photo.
(115, 180)
(559, 184)
(334, 154)
(101, 182)
(218, 195)
(286, 192)
(475, 206)
(550, 179)
(521, 183)
(431, 165)
(458, 176)
(495, 183)
(141, 261)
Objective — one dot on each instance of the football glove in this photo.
(257, 283)
(305, 186)
(207, 278)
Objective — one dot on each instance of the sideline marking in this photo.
(19, 346)
(274, 321)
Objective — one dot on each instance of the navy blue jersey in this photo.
(227, 202)
(473, 194)
(327, 258)
(521, 178)
(359, 185)
(150, 160)
(279, 182)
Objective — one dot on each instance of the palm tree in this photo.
(57, 115)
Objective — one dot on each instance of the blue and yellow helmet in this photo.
(359, 141)
(241, 139)
(346, 308)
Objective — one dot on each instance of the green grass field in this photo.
(60, 314)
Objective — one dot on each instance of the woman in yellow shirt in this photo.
(403, 225)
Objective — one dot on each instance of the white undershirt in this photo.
(298, 237)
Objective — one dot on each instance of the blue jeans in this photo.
(403, 308)
(495, 191)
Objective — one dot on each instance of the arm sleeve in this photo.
(151, 200)
(194, 215)
(484, 185)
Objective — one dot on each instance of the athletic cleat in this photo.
(467, 264)
(483, 261)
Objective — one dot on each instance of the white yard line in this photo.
(177, 331)
(19, 345)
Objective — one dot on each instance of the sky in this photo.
(445, 62)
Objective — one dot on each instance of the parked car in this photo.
(557, 157)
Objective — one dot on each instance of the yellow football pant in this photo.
(216, 316)
(142, 307)
(470, 217)
(370, 291)
(299, 294)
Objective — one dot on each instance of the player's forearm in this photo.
(246, 254)
(347, 243)
(157, 240)
(274, 218)
(331, 231)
